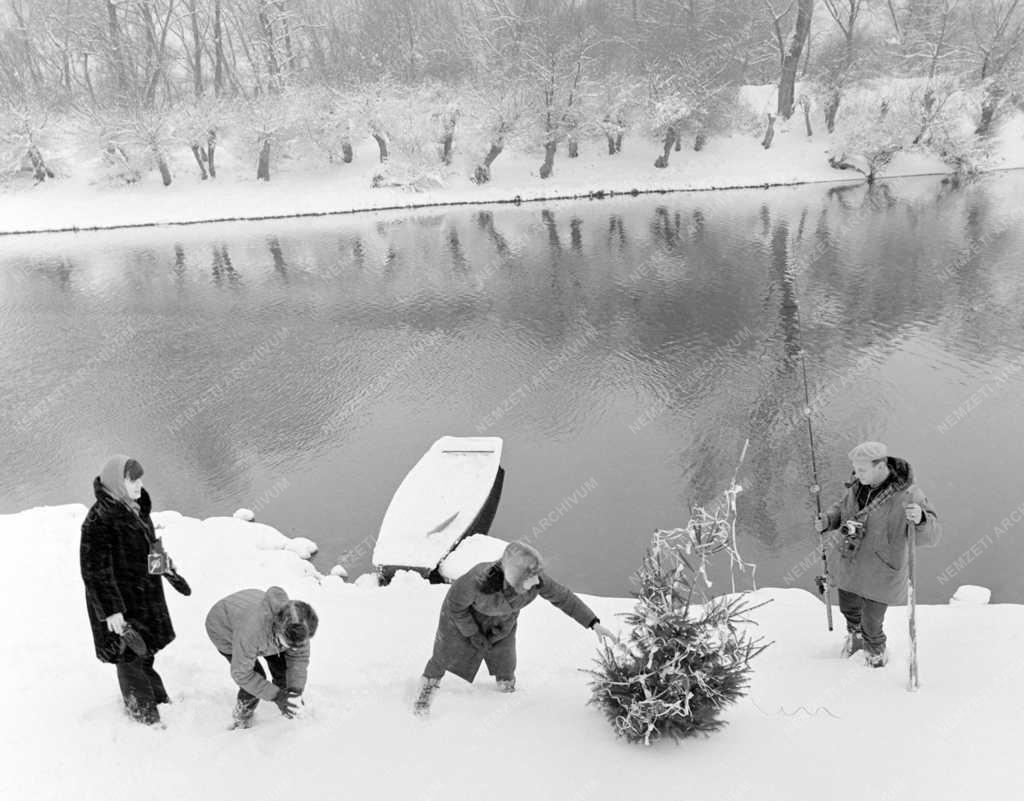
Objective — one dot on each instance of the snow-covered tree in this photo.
(267, 125)
(556, 62)
(408, 127)
(132, 139)
(496, 114)
(24, 132)
(840, 54)
(789, 50)
(197, 123)
(329, 121)
(616, 102)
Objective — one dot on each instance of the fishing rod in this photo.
(823, 581)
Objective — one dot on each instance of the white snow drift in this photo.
(813, 726)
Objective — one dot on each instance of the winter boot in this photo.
(851, 644)
(428, 687)
(241, 717)
(881, 659)
(507, 685)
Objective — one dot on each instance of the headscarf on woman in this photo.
(112, 478)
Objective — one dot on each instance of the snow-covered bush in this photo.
(681, 664)
(328, 122)
(122, 160)
(870, 130)
(409, 125)
(950, 129)
(926, 116)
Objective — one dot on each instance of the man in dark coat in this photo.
(124, 599)
(880, 506)
(480, 614)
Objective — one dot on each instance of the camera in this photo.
(852, 531)
(156, 563)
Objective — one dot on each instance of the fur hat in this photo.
(519, 562)
(296, 622)
(869, 452)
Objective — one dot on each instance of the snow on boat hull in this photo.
(452, 491)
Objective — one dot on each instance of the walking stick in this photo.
(911, 536)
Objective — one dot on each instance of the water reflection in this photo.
(346, 346)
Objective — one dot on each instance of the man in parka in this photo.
(250, 624)
(881, 505)
(480, 614)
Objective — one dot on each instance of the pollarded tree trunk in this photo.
(211, 146)
(671, 137)
(805, 104)
(161, 164)
(482, 173)
(549, 160)
(611, 144)
(769, 134)
(198, 154)
(927, 105)
(263, 167)
(39, 168)
(700, 140)
(994, 95)
(574, 147)
(831, 109)
(382, 143)
(446, 147)
(346, 152)
(791, 58)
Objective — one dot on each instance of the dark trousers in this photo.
(247, 702)
(865, 617)
(141, 688)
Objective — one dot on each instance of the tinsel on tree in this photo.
(686, 657)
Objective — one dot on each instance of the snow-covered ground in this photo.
(303, 186)
(813, 726)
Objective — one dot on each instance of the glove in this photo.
(285, 702)
(178, 582)
(134, 640)
(480, 642)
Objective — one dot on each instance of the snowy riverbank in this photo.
(300, 187)
(66, 736)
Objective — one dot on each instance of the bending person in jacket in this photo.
(479, 617)
(122, 562)
(250, 624)
(880, 503)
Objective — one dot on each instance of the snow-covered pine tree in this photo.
(682, 663)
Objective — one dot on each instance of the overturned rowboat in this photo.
(451, 492)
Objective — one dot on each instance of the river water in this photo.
(625, 349)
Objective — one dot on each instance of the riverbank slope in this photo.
(302, 187)
(813, 725)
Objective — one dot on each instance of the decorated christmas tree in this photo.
(687, 657)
